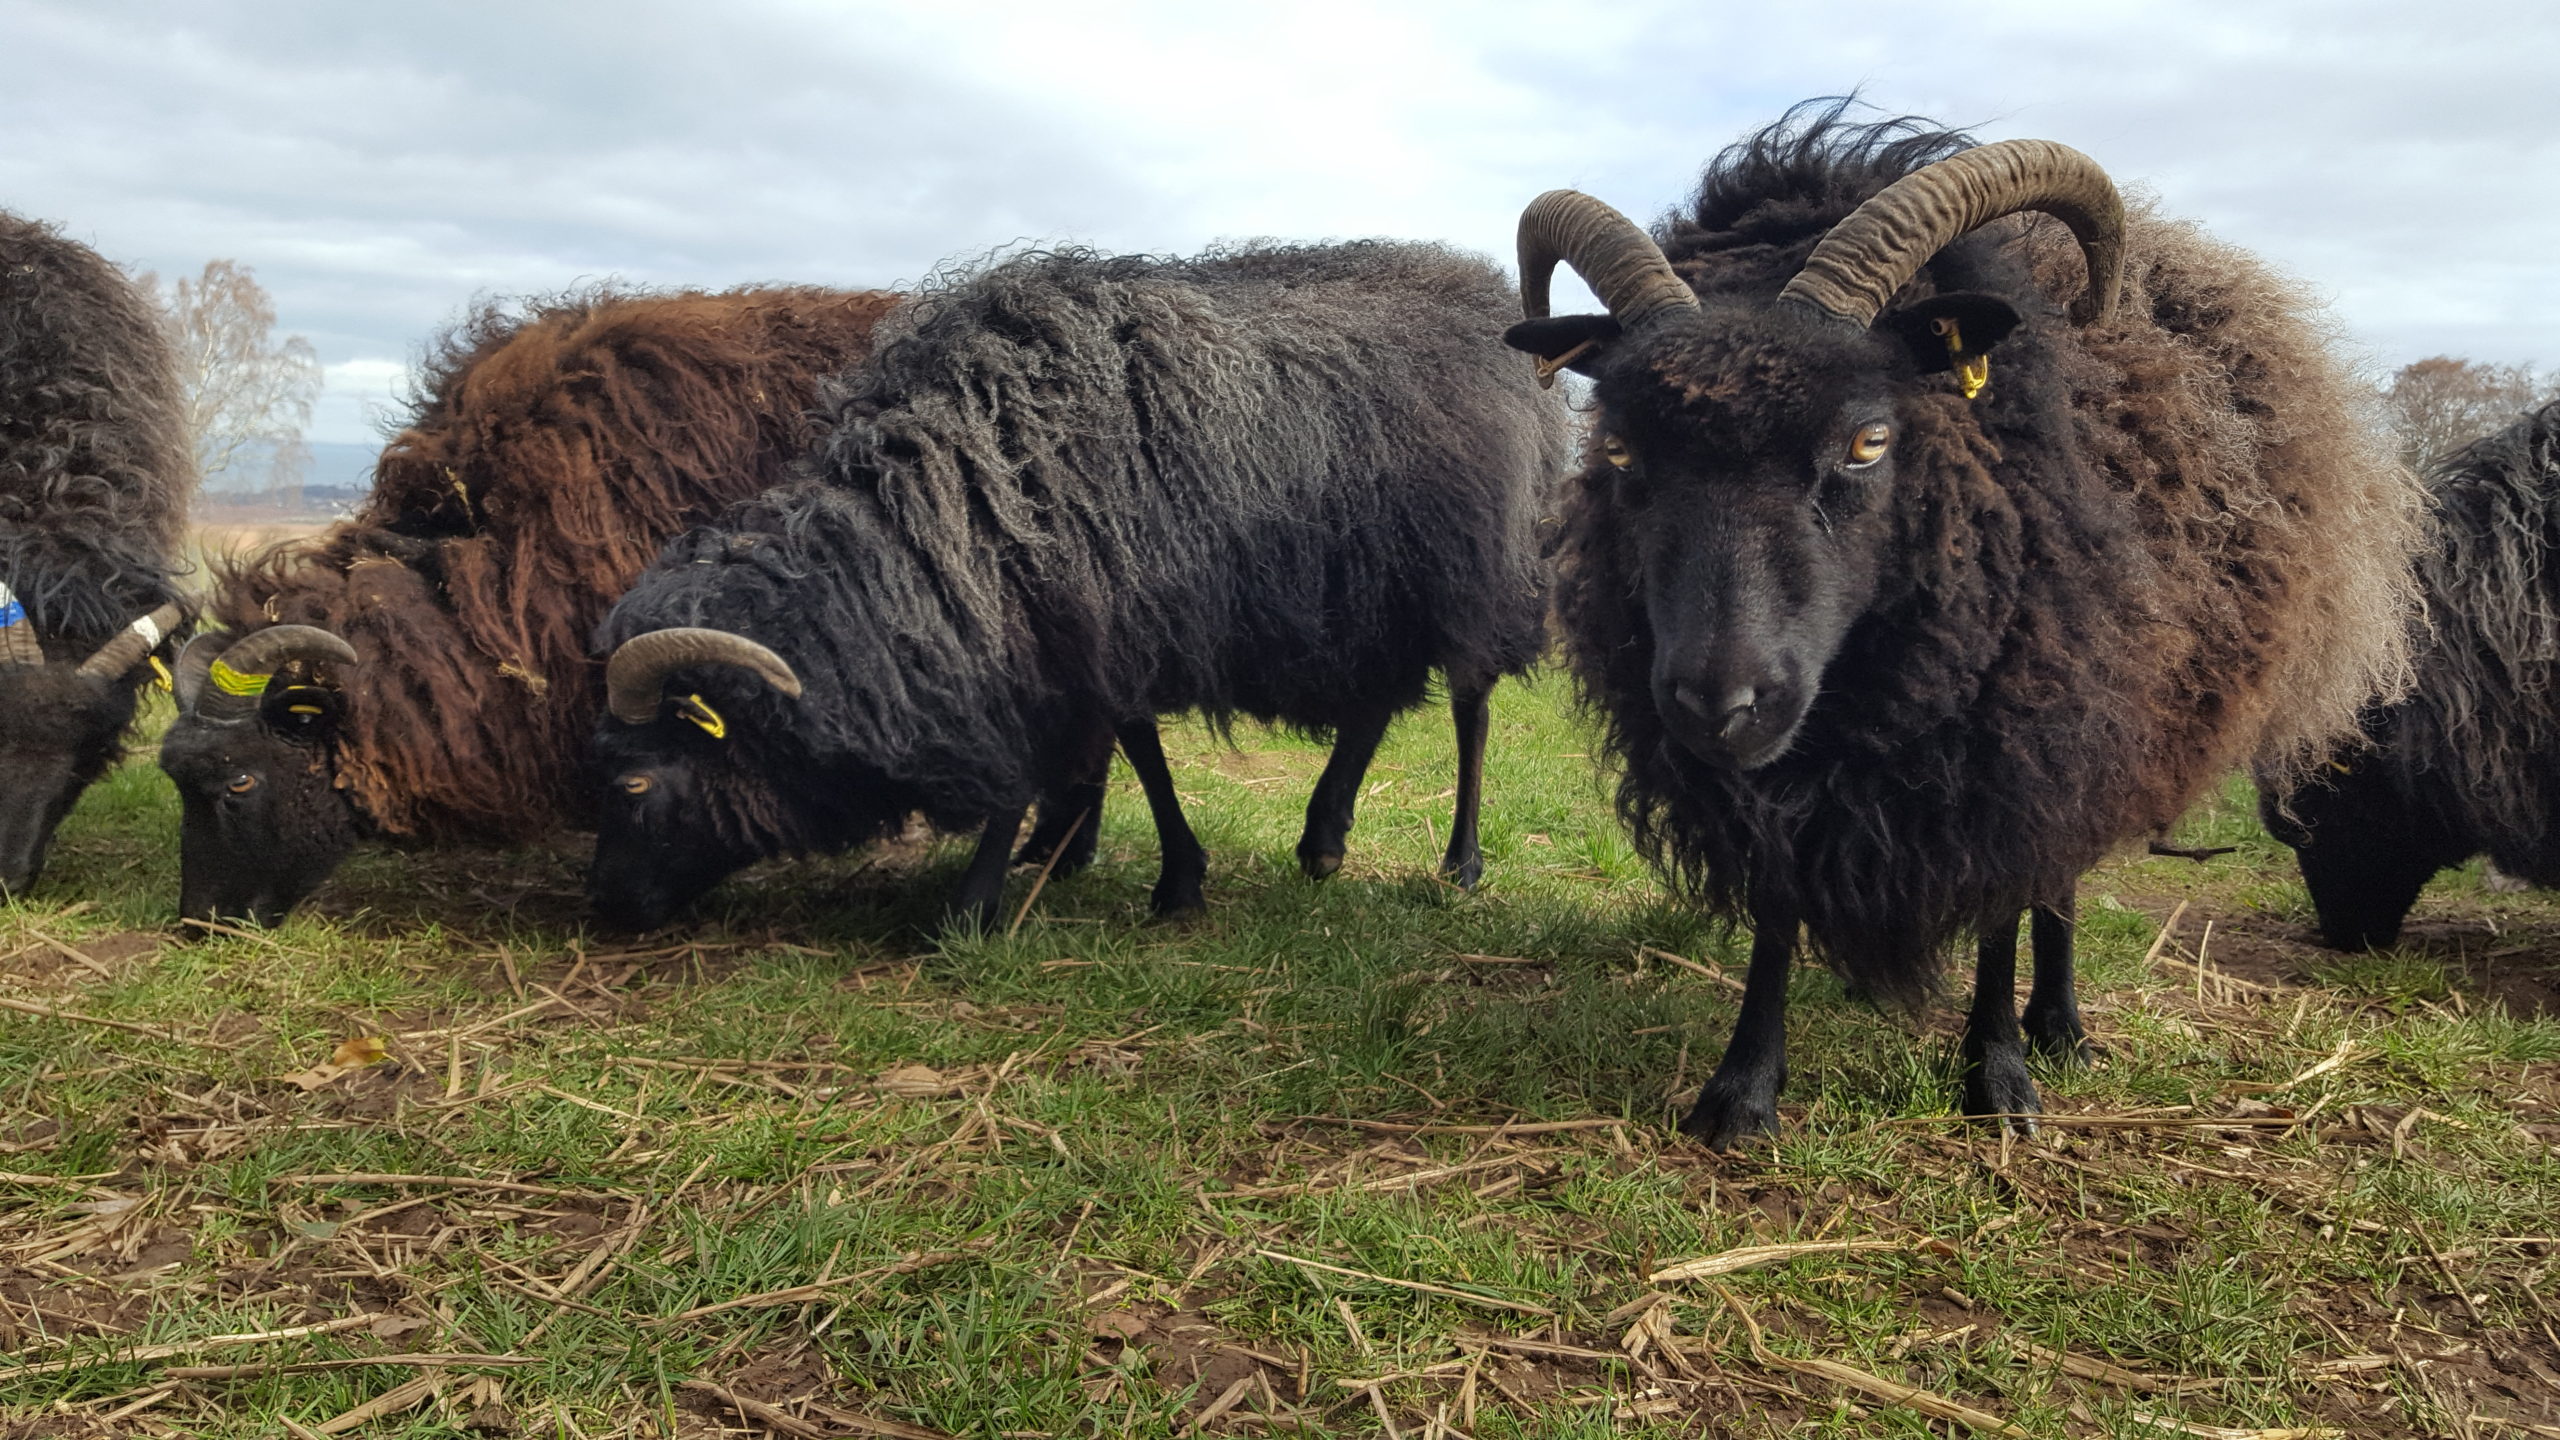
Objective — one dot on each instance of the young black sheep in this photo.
(95, 474)
(2469, 762)
(1895, 640)
(1068, 494)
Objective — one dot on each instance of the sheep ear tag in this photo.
(304, 705)
(1972, 371)
(1954, 332)
(167, 682)
(693, 708)
(1559, 341)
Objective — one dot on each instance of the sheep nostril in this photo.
(1736, 709)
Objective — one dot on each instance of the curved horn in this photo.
(1616, 259)
(636, 677)
(127, 647)
(1885, 241)
(194, 663)
(18, 643)
(236, 679)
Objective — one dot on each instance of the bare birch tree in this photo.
(249, 394)
(2440, 404)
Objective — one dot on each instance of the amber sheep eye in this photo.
(1868, 446)
(636, 784)
(242, 784)
(1615, 451)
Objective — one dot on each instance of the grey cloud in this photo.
(380, 165)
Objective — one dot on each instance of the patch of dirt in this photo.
(38, 1308)
(2514, 962)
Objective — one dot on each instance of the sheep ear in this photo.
(1563, 342)
(298, 707)
(1944, 329)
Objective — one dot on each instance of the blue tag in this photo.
(12, 613)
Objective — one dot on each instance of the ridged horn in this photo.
(635, 678)
(18, 643)
(194, 663)
(125, 649)
(1884, 242)
(235, 681)
(1610, 252)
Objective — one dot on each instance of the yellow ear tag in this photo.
(1972, 373)
(166, 680)
(692, 708)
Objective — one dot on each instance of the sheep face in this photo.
(264, 821)
(1745, 456)
(659, 841)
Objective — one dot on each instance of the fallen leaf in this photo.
(917, 1082)
(359, 1052)
(1119, 1323)
(349, 1057)
(391, 1327)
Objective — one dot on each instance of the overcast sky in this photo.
(378, 166)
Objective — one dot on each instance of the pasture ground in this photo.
(1369, 1157)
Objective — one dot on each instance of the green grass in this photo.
(1044, 1175)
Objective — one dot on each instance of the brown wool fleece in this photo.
(550, 453)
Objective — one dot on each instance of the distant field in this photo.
(209, 541)
(220, 537)
(1364, 1158)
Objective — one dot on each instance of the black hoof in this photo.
(1465, 873)
(962, 921)
(1997, 1084)
(1728, 1113)
(1177, 895)
(1319, 864)
(2058, 1038)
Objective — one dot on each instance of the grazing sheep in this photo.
(2469, 762)
(420, 669)
(1071, 493)
(1895, 639)
(95, 474)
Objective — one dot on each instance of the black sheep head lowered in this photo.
(679, 808)
(1750, 442)
(60, 721)
(254, 757)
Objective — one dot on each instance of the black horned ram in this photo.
(1924, 552)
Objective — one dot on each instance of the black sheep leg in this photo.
(2052, 1021)
(1185, 863)
(1471, 707)
(1995, 1053)
(1741, 1101)
(1355, 743)
(981, 892)
(1071, 813)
